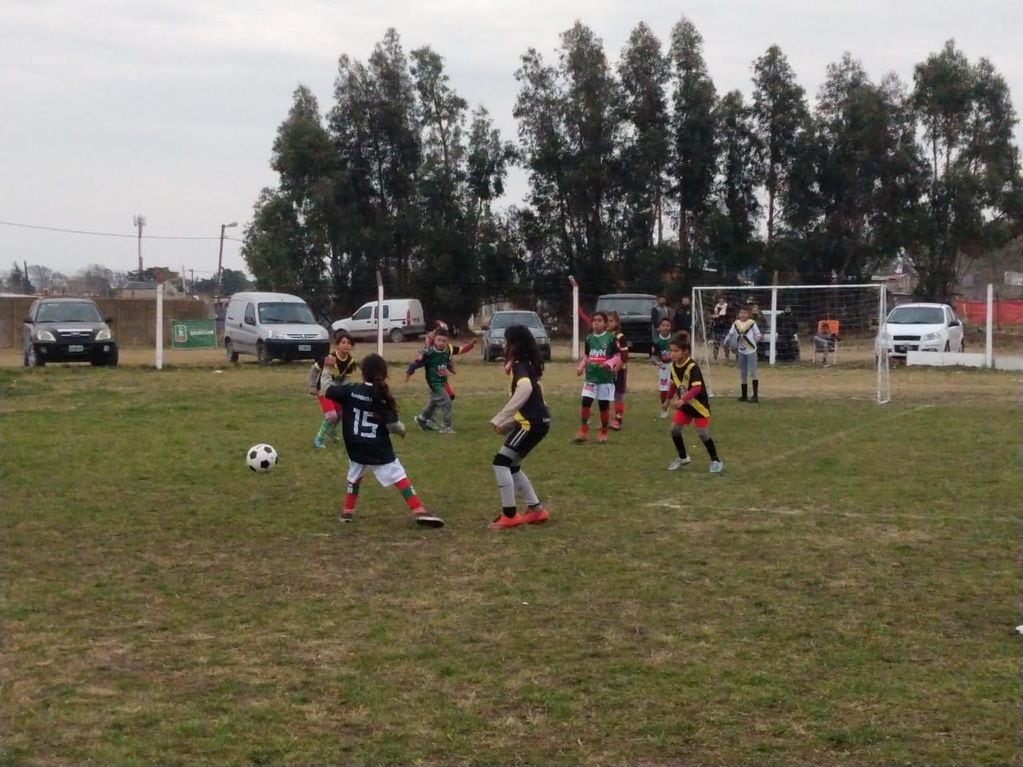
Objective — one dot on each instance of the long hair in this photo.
(374, 371)
(522, 348)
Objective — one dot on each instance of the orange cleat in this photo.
(503, 522)
(602, 437)
(537, 517)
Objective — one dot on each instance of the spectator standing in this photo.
(683, 319)
(661, 311)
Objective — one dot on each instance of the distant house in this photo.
(146, 290)
(1002, 268)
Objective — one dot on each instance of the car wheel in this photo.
(262, 354)
(396, 335)
(34, 361)
(232, 355)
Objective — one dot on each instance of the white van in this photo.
(272, 326)
(403, 318)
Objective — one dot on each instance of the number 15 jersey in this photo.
(366, 437)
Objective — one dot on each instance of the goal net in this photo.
(822, 325)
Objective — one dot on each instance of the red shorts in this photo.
(329, 405)
(682, 418)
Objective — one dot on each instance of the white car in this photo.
(403, 319)
(922, 328)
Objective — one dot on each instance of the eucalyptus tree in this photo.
(487, 160)
(694, 158)
(643, 72)
(375, 128)
(295, 257)
(972, 169)
(869, 178)
(735, 211)
(568, 130)
(779, 109)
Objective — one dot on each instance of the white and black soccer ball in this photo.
(261, 458)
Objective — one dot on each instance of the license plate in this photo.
(76, 348)
(305, 348)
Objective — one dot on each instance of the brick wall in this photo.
(134, 321)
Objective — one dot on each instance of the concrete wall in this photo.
(134, 321)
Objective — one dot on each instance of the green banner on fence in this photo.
(189, 334)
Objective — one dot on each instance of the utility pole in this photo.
(140, 221)
(220, 258)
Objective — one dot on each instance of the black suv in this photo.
(634, 313)
(67, 330)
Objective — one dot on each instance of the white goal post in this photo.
(800, 324)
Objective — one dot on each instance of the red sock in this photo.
(586, 415)
(664, 398)
(409, 494)
(605, 414)
(449, 390)
(619, 410)
(351, 497)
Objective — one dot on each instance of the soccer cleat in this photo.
(347, 516)
(602, 437)
(754, 399)
(422, 423)
(664, 412)
(678, 463)
(716, 467)
(425, 518)
(742, 399)
(536, 516)
(318, 442)
(446, 430)
(616, 424)
(503, 522)
(580, 436)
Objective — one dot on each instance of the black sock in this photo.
(509, 511)
(712, 451)
(756, 387)
(745, 390)
(680, 445)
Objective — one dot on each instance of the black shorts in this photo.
(522, 441)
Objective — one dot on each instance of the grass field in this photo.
(844, 593)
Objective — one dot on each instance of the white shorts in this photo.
(386, 473)
(664, 376)
(599, 391)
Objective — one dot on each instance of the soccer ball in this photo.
(261, 458)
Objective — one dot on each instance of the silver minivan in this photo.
(272, 326)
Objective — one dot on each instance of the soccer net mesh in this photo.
(821, 325)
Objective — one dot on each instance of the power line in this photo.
(108, 234)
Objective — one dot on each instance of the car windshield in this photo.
(626, 305)
(917, 315)
(286, 312)
(81, 311)
(507, 319)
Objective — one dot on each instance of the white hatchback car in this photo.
(923, 328)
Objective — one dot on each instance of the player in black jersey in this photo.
(688, 394)
(369, 416)
(525, 420)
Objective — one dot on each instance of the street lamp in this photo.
(220, 258)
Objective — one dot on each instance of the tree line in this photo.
(639, 172)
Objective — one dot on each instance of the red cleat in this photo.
(537, 517)
(503, 522)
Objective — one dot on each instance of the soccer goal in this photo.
(821, 325)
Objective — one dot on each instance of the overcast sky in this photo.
(112, 108)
